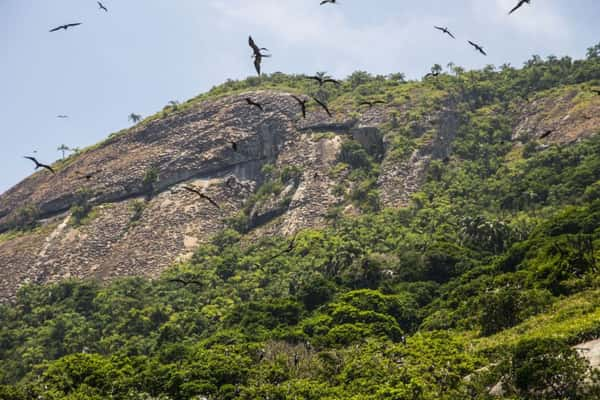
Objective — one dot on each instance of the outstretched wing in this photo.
(253, 45)
(331, 81)
(75, 24)
(519, 5)
(323, 105)
(257, 61)
(58, 28)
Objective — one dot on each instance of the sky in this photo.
(144, 53)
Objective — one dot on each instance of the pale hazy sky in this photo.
(143, 53)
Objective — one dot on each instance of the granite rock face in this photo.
(141, 228)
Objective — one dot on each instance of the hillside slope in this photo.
(443, 245)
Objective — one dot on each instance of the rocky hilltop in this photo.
(139, 219)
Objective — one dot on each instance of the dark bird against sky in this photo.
(323, 80)
(445, 30)
(65, 27)
(258, 55)
(40, 165)
(478, 48)
(519, 5)
(102, 7)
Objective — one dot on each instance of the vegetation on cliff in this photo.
(490, 275)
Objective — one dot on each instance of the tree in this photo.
(548, 369)
(63, 148)
(135, 118)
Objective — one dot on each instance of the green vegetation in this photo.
(489, 276)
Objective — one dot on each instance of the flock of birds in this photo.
(258, 54)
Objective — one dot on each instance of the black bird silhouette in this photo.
(519, 5)
(547, 133)
(61, 116)
(291, 246)
(234, 146)
(323, 105)
(323, 81)
(302, 105)
(202, 195)
(445, 30)
(255, 104)
(258, 55)
(184, 282)
(478, 48)
(65, 27)
(40, 165)
(102, 7)
(87, 175)
(432, 75)
(371, 103)
(329, 1)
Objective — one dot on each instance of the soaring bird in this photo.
(87, 175)
(478, 48)
(40, 165)
(371, 103)
(255, 104)
(202, 195)
(445, 30)
(519, 5)
(102, 7)
(302, 104)
(329, 1)
(323, 105)
(291, 246)
(185, 282)
(258, 55)
(62, 116)
(547, 133)
(65, 27)
(432, 75)
(324, 80)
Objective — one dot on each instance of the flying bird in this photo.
(184, 282)
(40, 165)
(329, 1)
(255, 104)
(432, 75)
(371, 103)
(323, 105)
(102, 7)
(547, 133)
(291, 246)
(87, 175)
(202, 195)
(478, 48)
(65, 27)
(519, 5)
(302, 105)
(61, 116)
(323, 81)
(445, 30)
(258, 55)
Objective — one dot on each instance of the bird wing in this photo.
(379, 102)
(190, 189)
(451, 35)
(56, 29)
(473, 44)
(32, 159)
(211, 201)
(517, 7)
(332, 81)
(300, 101)
(75, 24)
(323, 105)
(315, 78)
(439, 28)
(49, 168)
(365, 103)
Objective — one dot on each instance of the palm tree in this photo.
(63, 148)
(135, 118)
